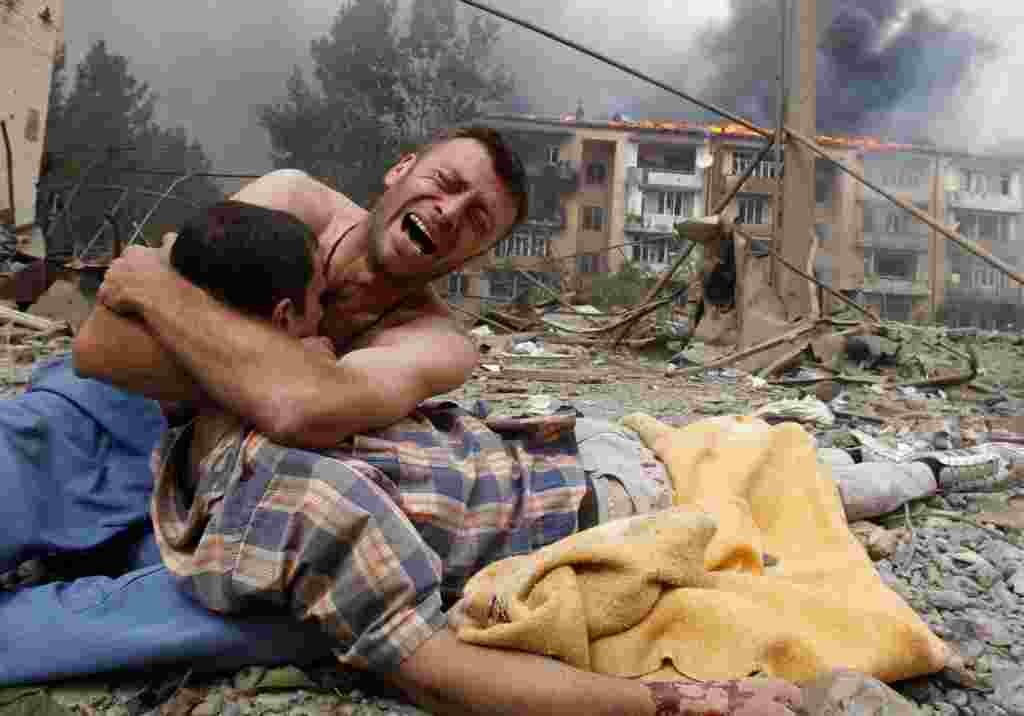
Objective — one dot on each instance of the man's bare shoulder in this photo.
(303, 196)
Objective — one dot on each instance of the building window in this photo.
(895, 264)
(552, 154)
(508, 285)
(869, 220)
(524, 243)
(982, 225)
(752, 210)
(591, 263)
(896, 222)
(502, 284)
(673, 203)
(1004, 185)
(456, 286)
(540, 245)
(597, 173)
(673, 159)
(743, 159)
(824, 182)
(592, 218)
(653, 252)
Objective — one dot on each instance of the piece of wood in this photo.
(813, 287)
(551, 376)
(28, 320)
(754, 350)
(831, 291)
(798, 179)
(782, 361)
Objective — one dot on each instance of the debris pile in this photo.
(24, 339)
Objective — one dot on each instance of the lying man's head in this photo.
(450, 201)
(261, 262)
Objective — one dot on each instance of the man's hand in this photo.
(132, 279)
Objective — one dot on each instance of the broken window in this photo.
(502, 284)
(655, 252)
(590, 263)
(742, 159)
(673, 159)
(674, 203)
(984, 225)
(524, 243)
(540, 244)
(597, 173)
(895, 264)
(824, 182)
(869, 220)
(753, 210)
(592, 218)
(897, 222)
(456, 285)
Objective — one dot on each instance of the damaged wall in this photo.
(31, 33)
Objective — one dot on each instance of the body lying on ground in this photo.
(398, 347)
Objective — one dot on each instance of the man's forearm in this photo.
(122, 351)
(242, 364)
(449, 676)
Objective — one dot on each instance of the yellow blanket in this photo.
(687, 591)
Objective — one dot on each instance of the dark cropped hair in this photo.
(247, 256)
(507, 164)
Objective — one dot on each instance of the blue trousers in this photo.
(75, 483)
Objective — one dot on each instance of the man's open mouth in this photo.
(417, 232)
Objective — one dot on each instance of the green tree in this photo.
(104, 125)
(382, 89)
(449, 75)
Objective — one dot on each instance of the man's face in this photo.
(439, 209)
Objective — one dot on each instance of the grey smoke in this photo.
(884, 66)
(214, 63)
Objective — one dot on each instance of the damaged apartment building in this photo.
(606, 192)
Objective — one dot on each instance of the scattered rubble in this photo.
(878, 396)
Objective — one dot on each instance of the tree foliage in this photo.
(100, 127)
(383, 85)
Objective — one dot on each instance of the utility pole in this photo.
(797, 220)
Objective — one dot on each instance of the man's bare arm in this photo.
(141, 365)
(298, 397)
(122, 351)
(449, 676)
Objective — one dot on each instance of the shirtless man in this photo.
(451, 202)
(399, 346)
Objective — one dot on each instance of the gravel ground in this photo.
(964, 577)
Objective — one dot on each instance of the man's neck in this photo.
(351, 272)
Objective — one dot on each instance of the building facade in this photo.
(606, 192)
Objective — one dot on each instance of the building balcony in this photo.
(918, 194)
(895, 286)
(549, 221)
(663, 178)
(987, 294)
(654, 223)
(897, 242)
(984, 202)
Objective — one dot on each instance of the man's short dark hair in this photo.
(507, 164)
(247, 256)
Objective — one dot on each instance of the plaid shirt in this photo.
(367, 537)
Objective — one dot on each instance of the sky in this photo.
(215, 62)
